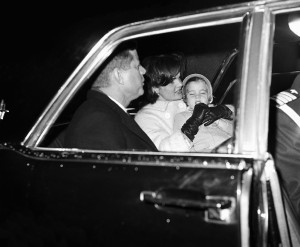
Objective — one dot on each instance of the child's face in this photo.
(196, 92)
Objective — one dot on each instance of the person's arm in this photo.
(175, 142)
(217, 112)
(179, 120)
(191, 126)
(225, 125)
(164, 139)
(167, 140)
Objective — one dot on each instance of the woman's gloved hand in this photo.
(191, 126)
(216, 112)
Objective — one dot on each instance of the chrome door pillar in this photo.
(255, 74)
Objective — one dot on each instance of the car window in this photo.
(211, 51)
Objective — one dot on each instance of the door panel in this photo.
(78, 203)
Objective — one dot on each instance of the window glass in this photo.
(285, 66)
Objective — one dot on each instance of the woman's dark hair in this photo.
(160, 71)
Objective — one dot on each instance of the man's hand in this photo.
(216, 112)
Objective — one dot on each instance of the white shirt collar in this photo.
(118, 103)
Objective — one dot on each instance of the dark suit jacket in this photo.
(286, 145)
(99, 123)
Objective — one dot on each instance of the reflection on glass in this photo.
(294, 23)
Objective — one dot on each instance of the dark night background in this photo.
(27, 26)
(32, 31)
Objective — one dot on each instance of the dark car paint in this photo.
(82, 199)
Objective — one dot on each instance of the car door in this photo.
(59, 196)
(123, 199)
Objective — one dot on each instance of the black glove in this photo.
(191, 126)
(216, 112)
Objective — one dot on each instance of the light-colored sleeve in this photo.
(227, 125)
(163, 139)
(176, 142)
(179, 120)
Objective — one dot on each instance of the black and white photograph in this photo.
(150, 123)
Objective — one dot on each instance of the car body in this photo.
(74, 197)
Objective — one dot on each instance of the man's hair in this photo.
(120, 58)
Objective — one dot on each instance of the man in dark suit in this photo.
(286, 146)
(102, 121)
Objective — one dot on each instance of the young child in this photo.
(197, 89)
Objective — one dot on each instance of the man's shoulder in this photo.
(288, 103)
(95, 110)
(286, 97)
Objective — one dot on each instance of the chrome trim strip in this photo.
(272, 176)
(293, 223)
(243, 192)
(262, 207)
(176, 160)
(256, 55)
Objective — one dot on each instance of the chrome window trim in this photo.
(279, 7)
(251, 129)
(243, 192)
(130, 158)
(272, 176)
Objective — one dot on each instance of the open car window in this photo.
(210, 47)
(211, 51)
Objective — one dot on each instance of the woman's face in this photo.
(172, 91)
(196, 92)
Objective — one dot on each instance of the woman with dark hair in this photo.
(164, 94)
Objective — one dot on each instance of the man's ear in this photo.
(118, 75)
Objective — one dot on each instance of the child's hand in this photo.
(217, 112)
(191, 126)
(199, 111)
